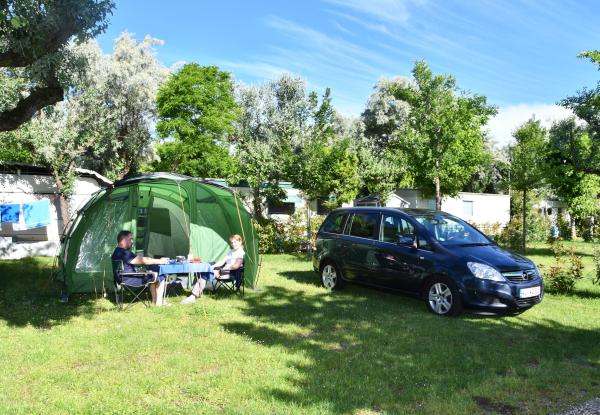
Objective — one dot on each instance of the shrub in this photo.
(564, 227)
(538, 229)
(562, 277)
(287, 237)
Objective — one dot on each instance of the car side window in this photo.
(393, 227)
(335, 223)
(365, 225)
(423, 243)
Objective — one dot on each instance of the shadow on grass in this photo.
(303, 277)
(29, 297)
(362, 350)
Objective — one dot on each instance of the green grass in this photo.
(290, 348)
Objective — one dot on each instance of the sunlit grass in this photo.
(291, 347)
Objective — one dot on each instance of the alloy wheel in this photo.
(329, 276)
(440, 298)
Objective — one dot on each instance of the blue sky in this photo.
(520, 54)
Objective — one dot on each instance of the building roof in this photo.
(11, 167)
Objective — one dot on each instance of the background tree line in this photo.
(65, 104)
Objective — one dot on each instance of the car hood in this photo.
(492, 255)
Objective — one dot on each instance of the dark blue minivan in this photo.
(433, 254)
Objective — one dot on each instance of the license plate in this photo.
(529, 292)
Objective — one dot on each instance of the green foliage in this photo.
(34, 39)
(196, 110)
(442, 136)
(564, 227)
(327, 170)
(491, 176)
(277, 119)
(527, 156)
(277, 238)
(13, 148)
(538, 230)
(583, 155)
(578, 189)
(568, 269)
(105, 123)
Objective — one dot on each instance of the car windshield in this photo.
(451, 231)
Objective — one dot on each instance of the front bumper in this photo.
(499, 297)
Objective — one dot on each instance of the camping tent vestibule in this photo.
(168, 214)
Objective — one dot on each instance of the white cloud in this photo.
(511, 117)
(394, 11)
(258, 70)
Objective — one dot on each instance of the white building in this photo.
(23, 183)
(478, 208)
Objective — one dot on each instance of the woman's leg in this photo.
(199, 287)
(160, 292)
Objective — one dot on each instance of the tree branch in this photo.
(26, 108)
(50, 43)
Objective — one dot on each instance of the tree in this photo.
(579, 190)
(442, 137)
(492, 175)
(526, 164)
(586, 106)
(385, 113)
(33, 50)
(105, 123)
(197, 111)
(274, 123)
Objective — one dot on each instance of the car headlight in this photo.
(485, 272)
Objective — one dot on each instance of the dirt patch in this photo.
(490, 407)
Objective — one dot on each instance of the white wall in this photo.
(27, 188)
(487, 208)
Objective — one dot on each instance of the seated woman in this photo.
(123, 253)
(232, 261)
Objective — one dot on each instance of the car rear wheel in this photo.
(443, 298)
(330, 276)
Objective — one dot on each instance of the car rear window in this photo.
(365, 225)
(335, 223)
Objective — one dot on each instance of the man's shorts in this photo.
(137, 281)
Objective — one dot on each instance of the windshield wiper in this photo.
(476, 244)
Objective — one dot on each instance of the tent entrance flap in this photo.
(166, 233)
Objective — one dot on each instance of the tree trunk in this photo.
(438, 194)
(257, 205)
(524, 241)
(308, 228)
(573, 229)
(63, 205)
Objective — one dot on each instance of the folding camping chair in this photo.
(145, 278)
(233, 281)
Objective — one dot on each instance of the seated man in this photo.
(232, 261)
(123, 253)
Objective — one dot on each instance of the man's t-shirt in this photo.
(121, 254)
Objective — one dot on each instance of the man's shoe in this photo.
(189, 300)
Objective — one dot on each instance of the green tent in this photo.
(168, 214)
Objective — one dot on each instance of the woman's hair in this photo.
(235, 237)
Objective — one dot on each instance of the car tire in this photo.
(331, 278)
(442, 297)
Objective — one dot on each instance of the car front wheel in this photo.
(443, 298)
(330, 277)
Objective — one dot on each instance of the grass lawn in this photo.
(291, 348)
